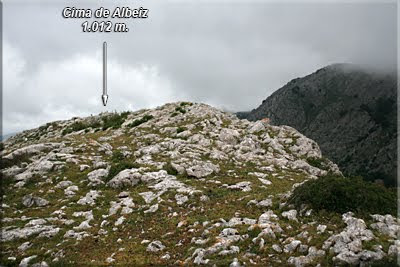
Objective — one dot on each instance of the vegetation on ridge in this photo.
(342, 194)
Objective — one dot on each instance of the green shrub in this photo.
(114, 121)
(43, 127)
(117, 156)
(180, 109)
(137, 122)
(385, 262)
(341, 194)
(186, 104)
(118, 164)
(74, 127)
(118, 167)
(78, 126)
(95, 124)
(320, 163)
(169, 169)
(17, 160)
(147, 117)
(181, 129)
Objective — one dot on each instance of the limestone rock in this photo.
(155, 246)
(200, 170)
(30, 200)
(290, 215)
(95, 177)
(243, 186)
(90, 198)
(348, 244)
(129, 177)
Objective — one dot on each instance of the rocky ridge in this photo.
(182, 183)
(349, 111)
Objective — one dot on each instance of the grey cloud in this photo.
(231, 55)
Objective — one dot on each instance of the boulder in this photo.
(30, 200)
(128, 177)
(155, 246)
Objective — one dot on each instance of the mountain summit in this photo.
(349, 111)
(181, 184)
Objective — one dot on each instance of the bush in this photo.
(118, 164)
(180, 109)
(43, 127)
(17, 160)
(137, 122)
(118, 167)
(385, 262)
(341, 194)
(186, 104)
(320, 163)
(78, 126)
(169, 169)
(181, 129)
(75, 127)
(117, 156)
(114, 121)
(95, 124)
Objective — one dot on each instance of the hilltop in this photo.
(181, 184)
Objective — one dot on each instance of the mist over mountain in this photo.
(349, 111)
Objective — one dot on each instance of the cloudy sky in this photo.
(230, 54)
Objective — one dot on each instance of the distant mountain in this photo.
(350, 112)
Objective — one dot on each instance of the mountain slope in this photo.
(180, 184)
(351, 113)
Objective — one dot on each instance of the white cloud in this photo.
(72, 87)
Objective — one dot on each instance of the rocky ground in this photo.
(182, 184)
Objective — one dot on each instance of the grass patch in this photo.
(137, 122)
(341, 194)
